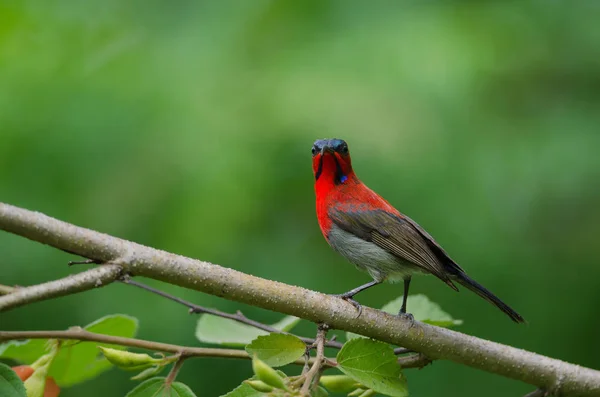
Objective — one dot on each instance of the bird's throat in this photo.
(329, 167)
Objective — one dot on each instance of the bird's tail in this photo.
(480, 290)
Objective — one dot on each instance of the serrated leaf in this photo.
(10, 383)
(277, 349)
(75, 362)
(373, 364)
(243, 390)
(226, 332)
(156, 387)
(424, 310)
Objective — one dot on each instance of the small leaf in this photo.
(148, 373)
(222, 331)
(156, 387)
(76, 361)
(339, 383)
(128, 360)
(368, 393)
(259, 385)
(286, 324)
(226, 332)
(267, 374)
(179, 389)
(277, 349)
(320, 392)
(243, 390)
(10, 384)
(373, 364)
(357, 392)
(423, 309)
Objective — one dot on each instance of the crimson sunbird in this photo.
(374, 236)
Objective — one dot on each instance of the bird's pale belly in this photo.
(369, 257)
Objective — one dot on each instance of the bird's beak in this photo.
(326, 149)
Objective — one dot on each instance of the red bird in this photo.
(376, 237)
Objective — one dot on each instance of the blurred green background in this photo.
(187, 126)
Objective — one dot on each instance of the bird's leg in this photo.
(347, 296)
(402, 312)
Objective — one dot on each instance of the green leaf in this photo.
(129, 361)
(223, 331)
(76, 361)
(156, 387)
(286, 324)
(148, 373)
(373, 364)
(423, 310)
(339, 383)
(10, 384)
(243, 390)
(277, 349)
(320, 392)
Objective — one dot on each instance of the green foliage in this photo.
(423, 309)
(374, 365)
(157, 387)
(339, 383)
(267, 374)
(277, 349)
(128, 360)
(243, 390)
(10, 384)
(222, 331)
(76, 361)
(259, 385)
(148, 373)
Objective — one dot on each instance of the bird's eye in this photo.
(345, 149)
(314, 150)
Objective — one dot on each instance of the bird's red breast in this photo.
(338, 187)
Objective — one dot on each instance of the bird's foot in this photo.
(348, 298)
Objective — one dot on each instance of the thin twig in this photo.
(313, 374)
(77, 333)
(239, 316)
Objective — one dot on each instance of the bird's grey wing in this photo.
(396, 235)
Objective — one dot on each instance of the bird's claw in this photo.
(348, 298)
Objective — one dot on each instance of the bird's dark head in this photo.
(331, 159)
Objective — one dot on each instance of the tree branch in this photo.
(558, 377)
(92, 278)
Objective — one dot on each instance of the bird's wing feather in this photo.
(400, 236)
